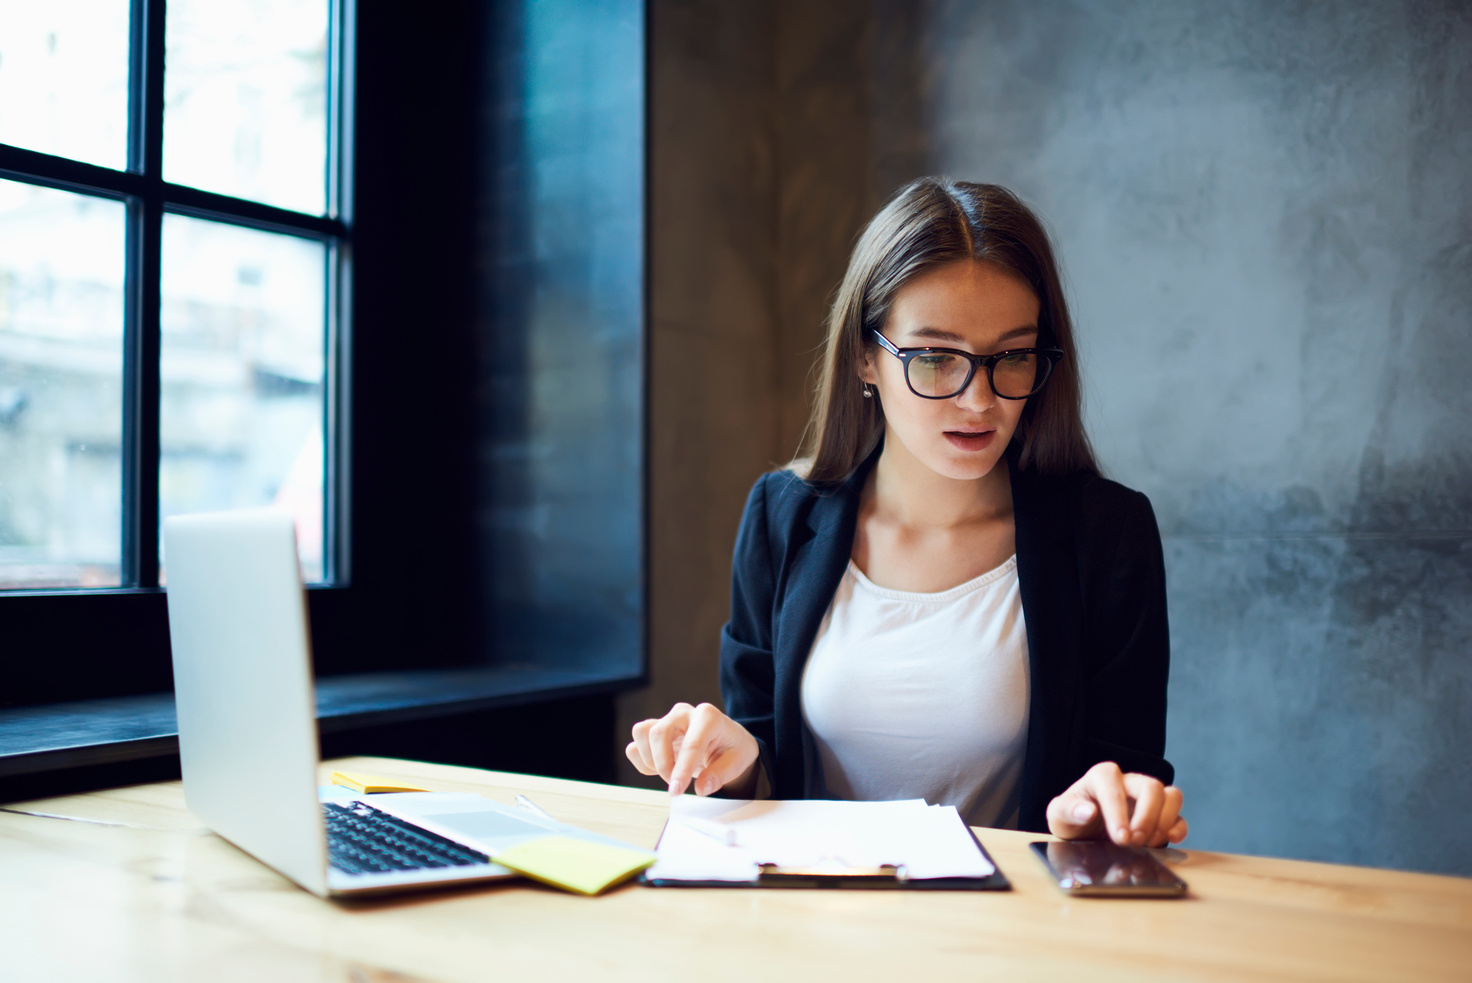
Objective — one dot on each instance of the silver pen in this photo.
(533, 808)
(706, 827)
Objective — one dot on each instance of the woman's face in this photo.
(975, 307)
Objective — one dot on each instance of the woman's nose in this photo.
(978, 392)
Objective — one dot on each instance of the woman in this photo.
(944, 600)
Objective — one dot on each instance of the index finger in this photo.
(1106, 782)
(694, 749)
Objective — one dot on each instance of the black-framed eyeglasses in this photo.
(940, 373)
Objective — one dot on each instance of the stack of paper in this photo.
(727, 840)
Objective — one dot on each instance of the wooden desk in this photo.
(137, 890)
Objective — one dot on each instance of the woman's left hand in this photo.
(1130, 809)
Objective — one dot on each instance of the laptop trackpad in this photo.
(466, 816)
(491, 828)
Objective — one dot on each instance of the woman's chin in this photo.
(964, 466)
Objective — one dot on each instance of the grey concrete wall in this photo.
(1265, 219)
(1265, 214)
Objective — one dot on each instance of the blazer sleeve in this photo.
(1128, 664)
(748, 673)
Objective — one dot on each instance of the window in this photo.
(198, 293)
(173, 244)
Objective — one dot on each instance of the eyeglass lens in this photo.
(940, 374)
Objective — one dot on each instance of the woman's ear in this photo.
(867, 372)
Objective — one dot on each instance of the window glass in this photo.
(242, 406)
(64, 78)
(61, 370)
(245, 99)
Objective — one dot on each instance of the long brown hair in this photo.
(929, 223)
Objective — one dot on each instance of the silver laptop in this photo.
(248, 731)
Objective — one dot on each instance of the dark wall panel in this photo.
(410, 346)
(560, 346)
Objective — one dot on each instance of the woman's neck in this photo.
(906, 492)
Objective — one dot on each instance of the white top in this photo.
(923, 695)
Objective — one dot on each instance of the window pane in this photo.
(245, 92)
(242, 375)
(61, 372)
(64, 78)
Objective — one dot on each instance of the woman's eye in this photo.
(1016, 358)
(933, 361)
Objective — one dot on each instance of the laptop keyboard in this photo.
(365, 840)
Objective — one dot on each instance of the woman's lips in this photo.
(970, 440)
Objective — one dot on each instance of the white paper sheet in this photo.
(928, 841)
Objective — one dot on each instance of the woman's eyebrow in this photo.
(1021, 332)
(936, 334)
(940, 334)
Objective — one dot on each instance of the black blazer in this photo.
(1092, 580)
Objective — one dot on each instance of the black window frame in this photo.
(148, 197)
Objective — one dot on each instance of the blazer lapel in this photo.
(814, 571)
(1052, 608)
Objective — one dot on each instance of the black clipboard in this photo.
(888, 877)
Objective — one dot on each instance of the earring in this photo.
(868, 393)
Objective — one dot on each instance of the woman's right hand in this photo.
(696, 743)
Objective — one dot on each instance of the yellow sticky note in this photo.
(576, 865)
(367, 784)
